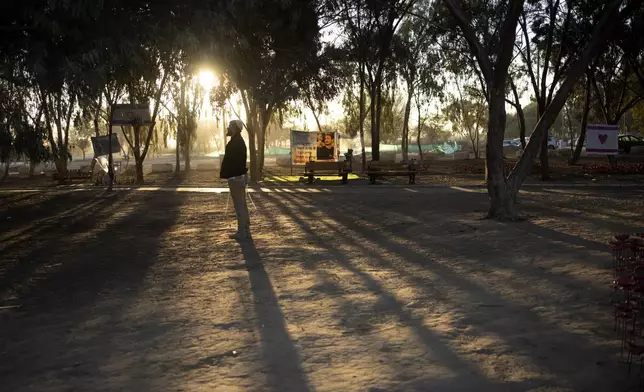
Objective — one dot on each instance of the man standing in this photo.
(233, 168)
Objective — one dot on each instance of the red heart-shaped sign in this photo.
(602, 138)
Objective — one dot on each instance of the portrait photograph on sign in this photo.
(313, 146)
(326, 146)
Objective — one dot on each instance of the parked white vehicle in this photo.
(553, 142)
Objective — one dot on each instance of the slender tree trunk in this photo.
(477, 151)
(571, 134)
(138, 159)
(251, 126)
(362, 118)
(254, 173)
(543, 156)
(264, 120)
(177, 152)
(574, 158)
(110, 156)
(405, 135)
(312, 107)
(520, 113)
(375, 138)
(224, 124)
(375, 142)
(4, 172)
(418, 133)
(97, 131)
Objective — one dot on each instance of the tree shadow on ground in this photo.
(463, 282)
(75, 286)
(466, 374)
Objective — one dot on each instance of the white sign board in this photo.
(130, 114)
(602, 139)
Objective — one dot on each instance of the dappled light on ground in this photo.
(379, 291)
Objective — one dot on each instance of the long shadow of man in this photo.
(278, 351)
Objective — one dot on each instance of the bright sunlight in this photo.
(207, 79)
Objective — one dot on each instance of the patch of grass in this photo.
(297, 178)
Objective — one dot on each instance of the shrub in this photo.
(615, 168)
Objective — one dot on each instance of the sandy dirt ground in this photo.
(394, 290)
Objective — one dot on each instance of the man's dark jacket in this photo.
(234, 163)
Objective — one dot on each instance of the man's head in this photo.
(328, 141)
(234, 127)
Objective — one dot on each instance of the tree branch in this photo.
(464, 22)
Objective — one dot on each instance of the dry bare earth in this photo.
(381, 290)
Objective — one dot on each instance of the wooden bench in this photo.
(162, 168)
(390, 169)
(326, 169)
(209, 166)
(72, 175)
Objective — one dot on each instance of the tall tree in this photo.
(494, 61)
(416, 54)
(466, 111)
(380, 19)
(264, 49)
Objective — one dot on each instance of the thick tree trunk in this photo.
(187, 155)
(501, 197)
(139, 172)
(405, 135)
(574, 158)
(32, 168)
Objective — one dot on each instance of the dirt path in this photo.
(392, 291)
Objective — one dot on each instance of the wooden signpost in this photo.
(122, 115)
